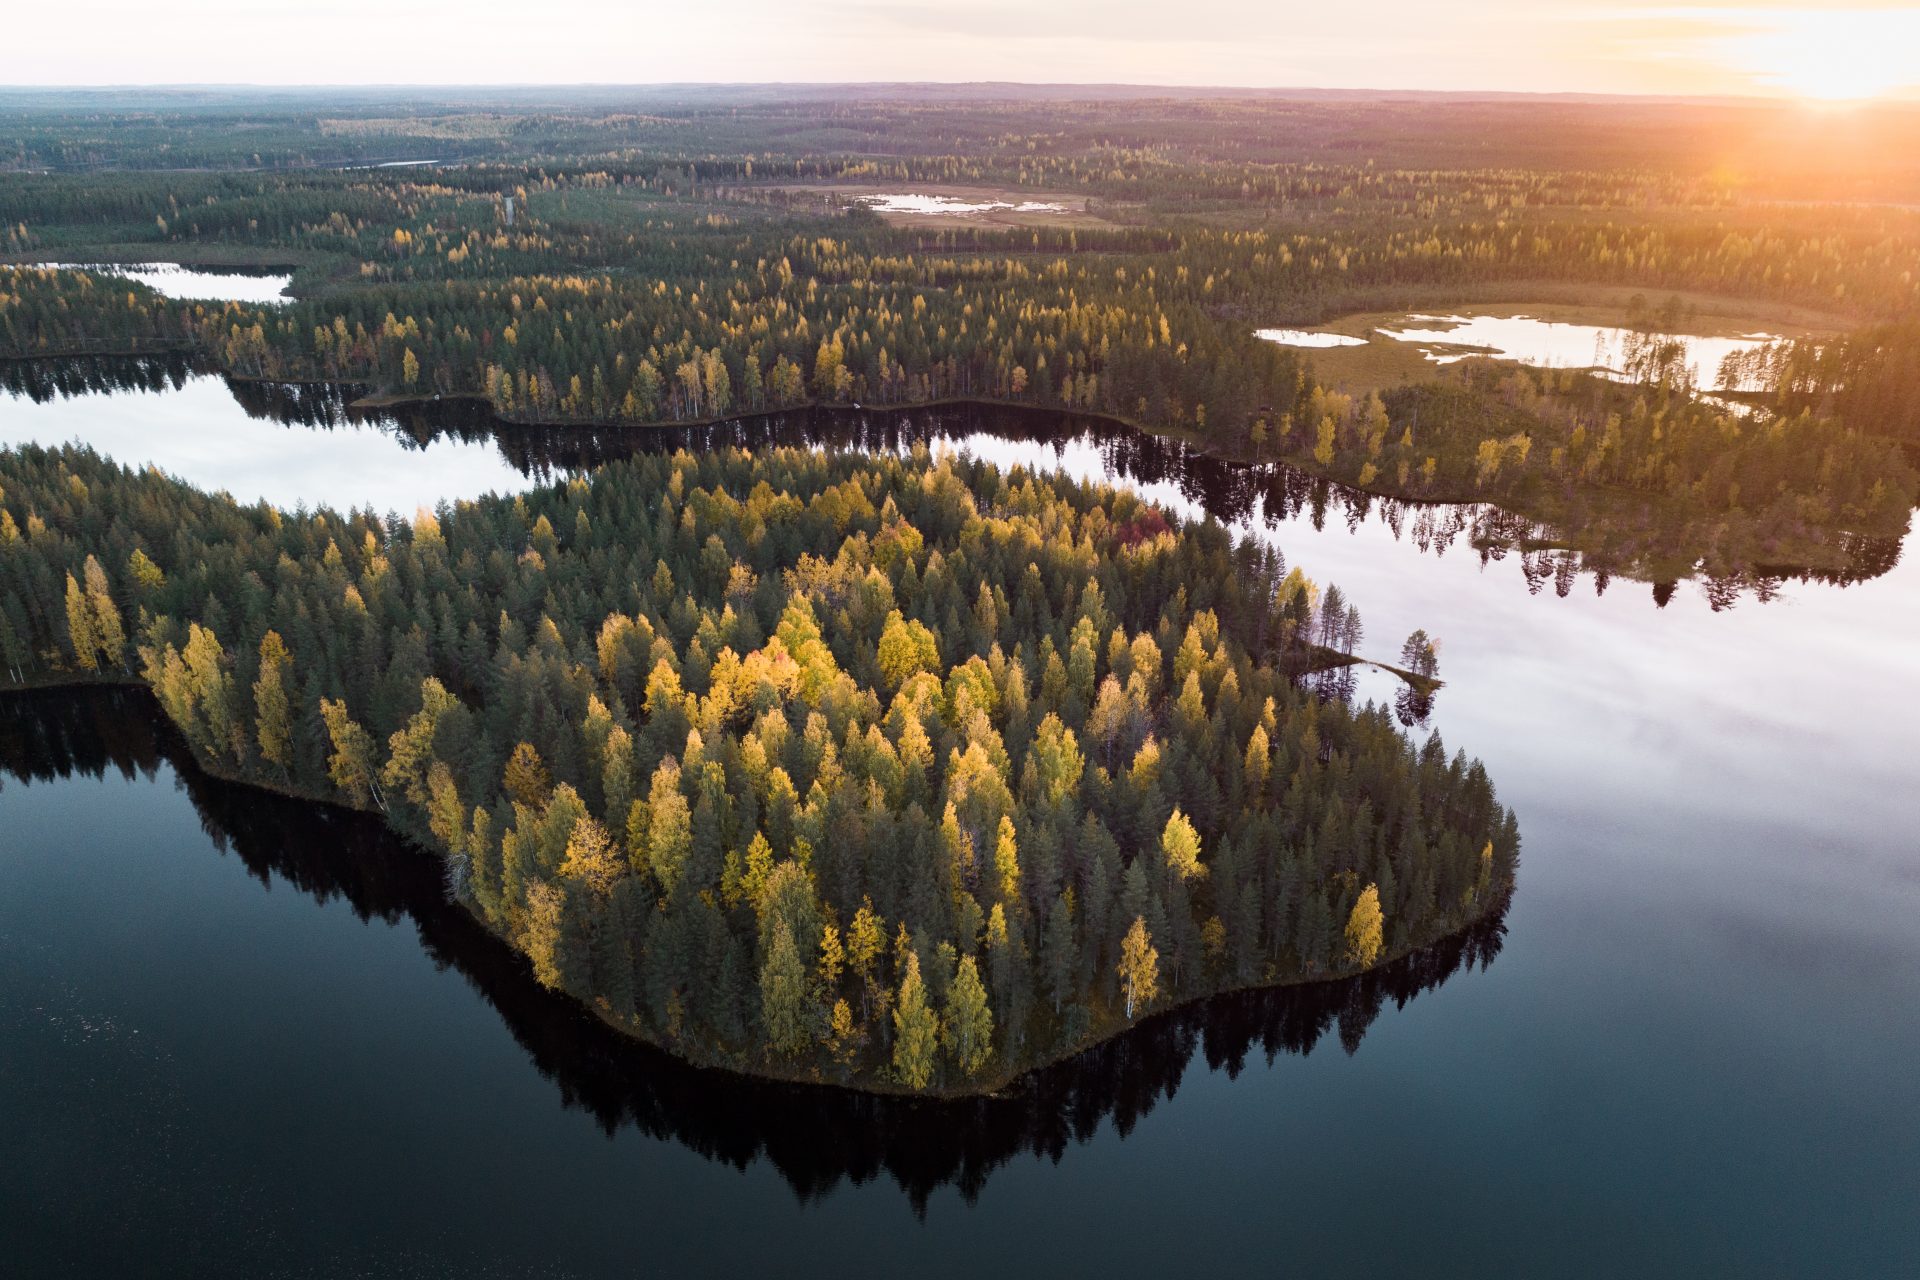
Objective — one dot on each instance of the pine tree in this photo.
(866, 942)
(969, 1021)
(1059, 954)
(783, 995)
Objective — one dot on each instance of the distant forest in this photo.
(570, 260)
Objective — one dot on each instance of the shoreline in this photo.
(1647, 515)
(1000, 1083)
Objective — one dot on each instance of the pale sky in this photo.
(1853, 49)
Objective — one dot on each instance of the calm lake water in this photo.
(1558, 345)
(244, 1034)
(917, 202)
(1309, 338)
(209, 284)
(1548, 344)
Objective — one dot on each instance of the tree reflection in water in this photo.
(816, 1136)
(1233, 492)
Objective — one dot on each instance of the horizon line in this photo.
(1595, 96)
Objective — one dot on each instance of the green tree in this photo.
(969, 1021)
(783, 995)
(1059, 953)
(866, 943)
(1056, 759)
(145, 572)
(916, 1030)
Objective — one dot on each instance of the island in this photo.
(897, 772)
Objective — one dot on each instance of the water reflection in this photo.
(195, 283)
(479, 453)
(1254, 497)
(818, 1137)
(1622, 353)
(44, 381)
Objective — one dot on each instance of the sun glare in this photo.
(1833, 55)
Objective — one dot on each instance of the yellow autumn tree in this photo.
(1366, 929)
(1139, 966)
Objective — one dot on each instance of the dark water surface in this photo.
(241, 1035)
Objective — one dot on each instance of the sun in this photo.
(1827, 55)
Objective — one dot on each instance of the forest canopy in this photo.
(896, 771)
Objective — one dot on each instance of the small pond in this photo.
(208, 284)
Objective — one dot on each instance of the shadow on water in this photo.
(817, 1136)
(1252, 495)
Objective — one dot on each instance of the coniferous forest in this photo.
(890, 771)
(567, 262)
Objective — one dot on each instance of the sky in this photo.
(1849, 50)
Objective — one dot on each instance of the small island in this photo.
(895, 772)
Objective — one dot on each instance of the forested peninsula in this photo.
(896, 772)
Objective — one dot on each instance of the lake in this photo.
(197, 284)
(247, 1033)
(1548, 344)
(957, 206)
